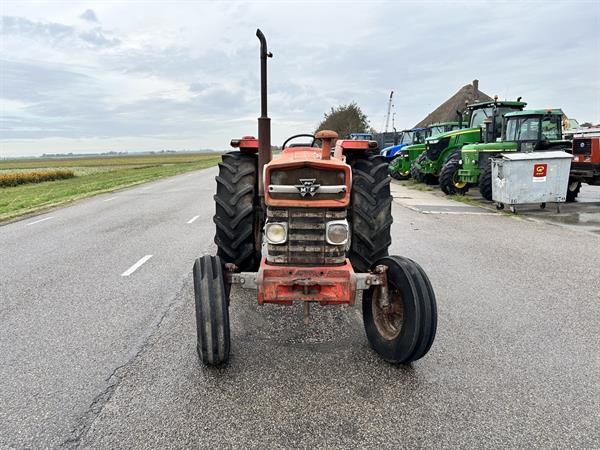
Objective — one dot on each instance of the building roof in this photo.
(446, 112)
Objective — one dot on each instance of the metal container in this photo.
(535, 177)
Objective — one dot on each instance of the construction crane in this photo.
(389, 108)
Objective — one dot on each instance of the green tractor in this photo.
(400, 166)
(427, 167)
(523, 131)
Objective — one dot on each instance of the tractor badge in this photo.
(308, 187)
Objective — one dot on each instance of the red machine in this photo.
(585, 167)
(325, 214)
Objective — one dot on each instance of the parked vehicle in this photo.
(326, 220)
(403, 159)
(585, 167)
(361, 136)
(409, 137)
(428, 165)
(523, 131)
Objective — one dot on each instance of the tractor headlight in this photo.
(276, 232)
(336, 232)
(433, 141)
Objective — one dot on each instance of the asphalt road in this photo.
(92, 358)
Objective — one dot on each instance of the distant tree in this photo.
(587, 125)
(345, 119)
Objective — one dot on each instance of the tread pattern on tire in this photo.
(235, 211)
(212, 314)
(420, 321)
(485, 182)
(449, 168)
(371, 211)
(415, 173)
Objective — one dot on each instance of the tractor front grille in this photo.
(324, 181)
(306, 244)
(434, 150)
(582, 147)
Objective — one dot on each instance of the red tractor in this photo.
(325, 214)
(585, 167)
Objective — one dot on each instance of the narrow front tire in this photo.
(212, 313)
(404, 330)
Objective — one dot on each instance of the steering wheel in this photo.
(312, 144)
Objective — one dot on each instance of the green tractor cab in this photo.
(400, 166)
(427, 167)
(523, 131)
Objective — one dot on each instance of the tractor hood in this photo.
(299, 177)
(451, 134)
(490, 147)
(388, 152)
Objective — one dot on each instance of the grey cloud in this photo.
(31, 82)
(55, 32)
(89, 15)
(198, 86)
(21, 26)
(97, 38)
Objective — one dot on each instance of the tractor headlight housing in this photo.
(276, 232)
(336, 232)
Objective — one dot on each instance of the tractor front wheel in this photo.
(573, 189)
(212, 313)
(401, 329)
(485, 182)
(395, 169)
(449, 182)
(415, 173)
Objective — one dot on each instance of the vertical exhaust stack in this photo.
(264, 123)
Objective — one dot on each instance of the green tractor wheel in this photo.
(395, 169)
(415, 173)
(449, 182)
(485, 182)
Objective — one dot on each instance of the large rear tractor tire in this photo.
(449, 182)
(402, 331)
(415, 173)
(212, 314)
(370, 211)
(573, 189)
(237, 219)
(485, 182)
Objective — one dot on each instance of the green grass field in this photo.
(93, 175)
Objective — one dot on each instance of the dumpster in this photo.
(534, 177)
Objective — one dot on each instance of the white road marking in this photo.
(192, 219)
(41, 220)
(169, 181)
(108, 199)
(146, 188)
(136, 266)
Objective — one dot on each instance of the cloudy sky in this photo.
(86, 76)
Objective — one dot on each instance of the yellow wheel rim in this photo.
(458, 184)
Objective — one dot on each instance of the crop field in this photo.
(93, 175)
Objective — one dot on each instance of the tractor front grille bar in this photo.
(295, 189)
